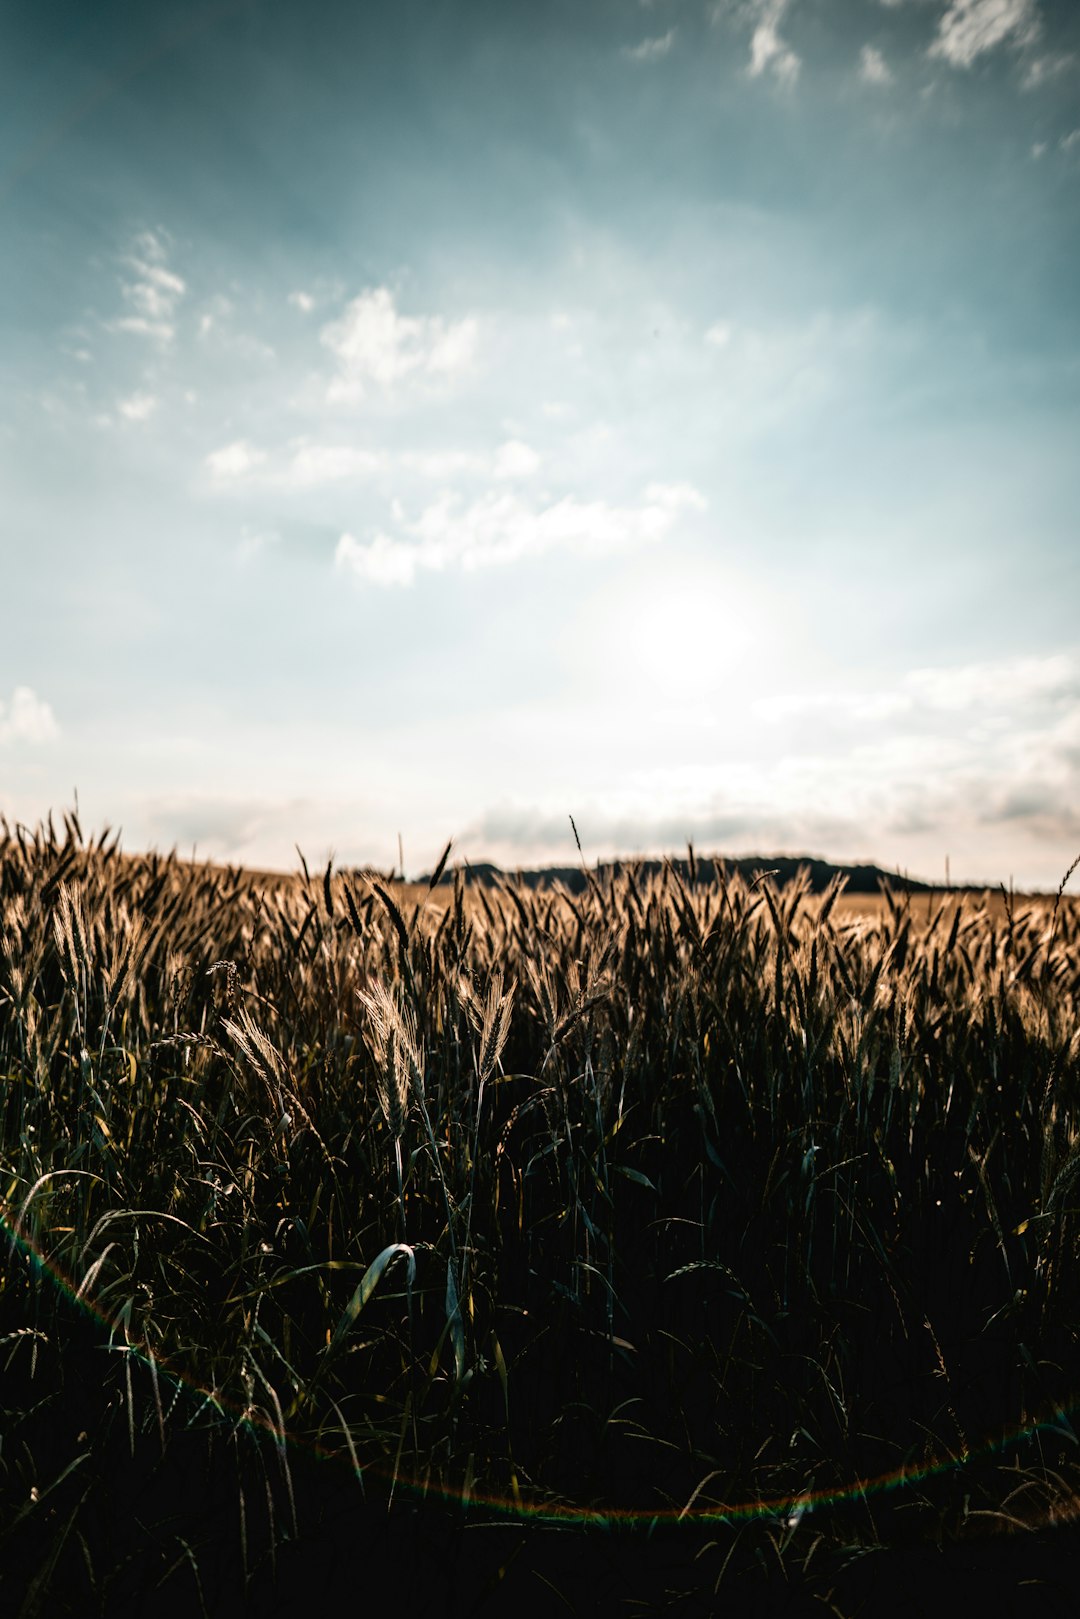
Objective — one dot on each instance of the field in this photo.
(686, 1243)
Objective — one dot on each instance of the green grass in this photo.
(677, 1215)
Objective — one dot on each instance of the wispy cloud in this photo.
(302, 301)
(768, 50)
(151, 290)
(969, 28)
(215, 825)
(26, 718)
(502, 528)
(873, 68)
(1009, 686)
(373, 343)
(650, 50)
(445, 466)
(138, 407)
(308, 465)
(305, 464)
(1044, 69)
(235, 460)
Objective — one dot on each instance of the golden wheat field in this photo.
(695, 1240)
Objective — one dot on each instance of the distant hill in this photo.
(860, 879)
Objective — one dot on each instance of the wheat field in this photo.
(712, 1236)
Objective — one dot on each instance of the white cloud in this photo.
(304, 464)
(1013, 683)
(844, 706)
(160, 331)
(1071, 141)
(982, 759)
(511, 460)
(650, 50)
(719, 334)
(873, 68)
(1007, 686)
(313, 464)
(138, 407)
(767, 49)
(380, 561)
(235, 460)
(302, 301)
(515, 460)
(152, 294)
(26, 718)
(442, 466)
(1044, 69)
(501, 528)
(301, 464)
(969, 28)
(372, 342)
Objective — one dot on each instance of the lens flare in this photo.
(787, 1510)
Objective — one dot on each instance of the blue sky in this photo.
(442, 418)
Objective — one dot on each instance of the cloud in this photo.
(443, 466)
(138, 407)
(768, 51)
(500, 528)
(978, 757)
(161, 331)
(235, 460)
(1043, 69)
(304, 464)
(313, 464)
(26, 718)
(1071, 141)
(969, 28)
(511, 460)
(302, 301)
(372, 342)
(873, 68)
(380, 561)
(515, 460)
(516, 832)
(153, 292)
(718, 335)
(946, 751)
(300, 465)
(1007, 686)
(216, 825)
(1011, 684)
(650, 50)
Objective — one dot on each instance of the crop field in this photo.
(690, 1242)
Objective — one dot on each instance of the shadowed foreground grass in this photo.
(681, 1242)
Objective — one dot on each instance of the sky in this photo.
(436, 419)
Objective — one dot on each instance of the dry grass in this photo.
(666, 1196)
